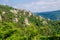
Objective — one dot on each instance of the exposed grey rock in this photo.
(49, 19)
(3, 12)
(26, 21)
(41, 18)
(15, 20)
(14, 11)
(44, 22)
(30, 13)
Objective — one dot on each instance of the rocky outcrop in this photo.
(14, 11)
(30, 13)
(3, 12)
(26, 21)
(41, 18)
(49, 19)
(44, 22)
(15, 20)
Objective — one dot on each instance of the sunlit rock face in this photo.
(14, 11)
(3, 12)
(26, 21)
(15, 20)
(24, 11)
(44, 22)
(49, 19)
(41, 18)
(30, 13)
(0, 18)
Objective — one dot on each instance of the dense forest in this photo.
(20, 24)
(53, 15)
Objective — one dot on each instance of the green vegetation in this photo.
(19, 26)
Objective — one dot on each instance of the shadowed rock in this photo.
(0, 18)
(30, 13)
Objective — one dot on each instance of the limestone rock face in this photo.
(3, 12)
(15, 20)
(30, 13)
(44, 22)
(48, 19)
(41, 18)
(24, 12)
(0, 18)
(14, 11)
(26, 21)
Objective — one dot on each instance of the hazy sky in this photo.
(34, 5)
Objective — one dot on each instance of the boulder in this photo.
(41, 18)
(48, 19)
(3, 12)
(30, 13)
(26, 21)
(14, 11)
(15, 20)
(44, 22)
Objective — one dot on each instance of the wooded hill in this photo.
(20, 24)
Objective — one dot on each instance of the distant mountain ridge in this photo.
(54, 15)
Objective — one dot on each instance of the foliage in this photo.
(10, 30)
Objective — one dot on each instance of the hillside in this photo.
(20, 24)
(54, 15)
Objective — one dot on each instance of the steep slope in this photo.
(9, 14)
(18, 24)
